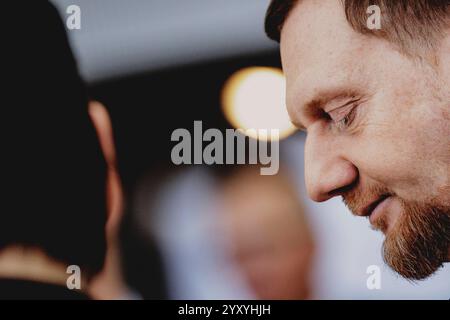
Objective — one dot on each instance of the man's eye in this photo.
(347, 120)
(343, 117)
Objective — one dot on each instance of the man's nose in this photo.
(327, 172)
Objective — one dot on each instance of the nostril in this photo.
(328, 175)
(340, 191)
(320, 193)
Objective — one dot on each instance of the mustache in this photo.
(419, 242)
(358, 198)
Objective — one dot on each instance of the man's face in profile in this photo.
(378, 125)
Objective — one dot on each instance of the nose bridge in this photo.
(327, 171)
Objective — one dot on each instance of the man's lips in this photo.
(373, 210)
(379, 210)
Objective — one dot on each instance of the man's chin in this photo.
(419, 242)
(416, 265)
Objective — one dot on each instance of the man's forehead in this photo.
(315, 31)
(318, 46)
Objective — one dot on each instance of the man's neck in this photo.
(31, 264)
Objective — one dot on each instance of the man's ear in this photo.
(114, 195)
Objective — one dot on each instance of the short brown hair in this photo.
(412, 25)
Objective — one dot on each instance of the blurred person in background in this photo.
(269, 234)
(181, 211)
(61, 191)
(375, 103)
(228, 234)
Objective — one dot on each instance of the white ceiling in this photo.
(121, 37)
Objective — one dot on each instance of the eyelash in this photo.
(345, 122)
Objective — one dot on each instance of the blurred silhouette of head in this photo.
(53, 171)
(270, 236)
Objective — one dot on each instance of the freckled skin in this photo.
(400, 136)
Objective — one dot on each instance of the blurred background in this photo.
(217, 232)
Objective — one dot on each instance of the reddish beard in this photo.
(418, 243)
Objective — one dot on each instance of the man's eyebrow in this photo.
(321, 98)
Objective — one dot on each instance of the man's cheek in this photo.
(384, 161)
